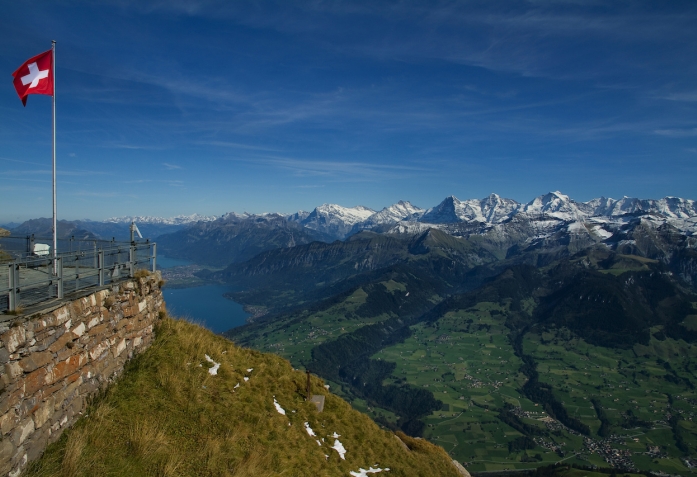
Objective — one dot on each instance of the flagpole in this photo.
(55, 228)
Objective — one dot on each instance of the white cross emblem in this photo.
(34, 75)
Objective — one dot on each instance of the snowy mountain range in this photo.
(465, 217)
(176, 220)
(479, 215)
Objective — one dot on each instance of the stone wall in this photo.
(53, 360)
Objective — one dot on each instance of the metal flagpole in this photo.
(55, 229)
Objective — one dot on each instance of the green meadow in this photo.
(466, 360)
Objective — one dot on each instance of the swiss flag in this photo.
(35, 76)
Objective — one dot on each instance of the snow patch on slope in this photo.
(214, 370)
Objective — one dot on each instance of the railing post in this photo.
(131, 261)
(30, 244)
(154, 257)
(13, 277)
(77, 272)
(59, 277)
(100, 266)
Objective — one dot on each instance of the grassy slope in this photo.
(168, 416)
(465, 358)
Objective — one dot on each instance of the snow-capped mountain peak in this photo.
(394, 213)
(346, 214)
(336, 220)
(444, 213)
(555, 204)
(176, 220)
(495, 209)
(491, 209)
(390, 215)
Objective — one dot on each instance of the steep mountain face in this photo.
(305, 266)
(285, 277)
(556, 204)
(44, 228)
(490, 210)
(234, 238)
(334, 220)
(388, 216)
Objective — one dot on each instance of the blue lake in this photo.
(206, 306)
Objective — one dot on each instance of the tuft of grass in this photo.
(142, 273)
(19, 310)
(73, 452)
(167, 415)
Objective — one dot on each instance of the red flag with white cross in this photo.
(35, 76)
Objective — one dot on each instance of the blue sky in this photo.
(174, 107)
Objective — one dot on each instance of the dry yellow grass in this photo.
(167, 416)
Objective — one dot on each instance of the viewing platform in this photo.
(32, 276)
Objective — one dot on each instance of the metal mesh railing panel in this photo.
(35, 281)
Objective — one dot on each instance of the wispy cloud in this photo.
(341, 171)
(142, 147)
(676, 132)
(31, 172)
(688, 96)
(171, 167)
(97, 194)
(20, 161)
(237, 145)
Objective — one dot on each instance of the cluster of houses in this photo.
(617, 458)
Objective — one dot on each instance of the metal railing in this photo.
(29, 279)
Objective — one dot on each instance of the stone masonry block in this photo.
(13, 370)
(11, 399)
(93, 322)
(7, 450)
(79, 330)
(14, 338)
(35, 360)
(4, 355)
(61, 315)
(8, 421)
(68, 367)
(44, 413)
(61, 341)
(35, 381)
(22, 431)
(98, 351)
(29, 405)
(119, 348)
(99, 329)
